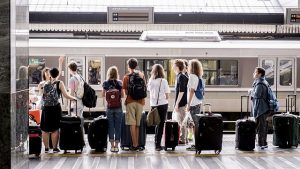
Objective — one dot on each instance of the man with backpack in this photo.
(260, 101)
(135, 88)
(76, 86)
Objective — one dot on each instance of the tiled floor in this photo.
(230, 158)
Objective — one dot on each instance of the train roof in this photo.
(227, 44)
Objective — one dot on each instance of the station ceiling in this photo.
(222, 6)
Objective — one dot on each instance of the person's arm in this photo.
(190, 97)
(60, 63)
(40, 89)
(72, 87)
(125, 86)
(64, 91)
(178, 100)
(258, 91)
(167, 89)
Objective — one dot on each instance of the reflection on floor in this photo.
(230, 158)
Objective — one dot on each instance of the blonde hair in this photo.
(195, 67)
(112, 73)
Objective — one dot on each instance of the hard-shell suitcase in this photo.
(71, 133)
(35, 140)
(97, 134)
(245, 130)
(171, 133)
(286, 128)
(126, 142)
(209, 131)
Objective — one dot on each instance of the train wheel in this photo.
(217, 152)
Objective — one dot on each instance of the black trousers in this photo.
(162, 111)
(262, 129)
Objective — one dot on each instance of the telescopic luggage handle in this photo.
(291, 100)
(247, 111)
(209, 109)
(75, 107)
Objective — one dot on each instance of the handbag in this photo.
(153, 118)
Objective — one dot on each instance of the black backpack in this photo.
(136, 87)
(89, 98)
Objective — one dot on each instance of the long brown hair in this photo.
(157, 71)
(112, 73)
(195, 67)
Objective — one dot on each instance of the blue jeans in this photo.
(114, 117)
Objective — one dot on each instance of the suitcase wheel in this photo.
(65, 152)
(198, 151)
(217, 152)
(122, 148)
(37, 154)
(166, 149)
(173, 148)
(75, 151)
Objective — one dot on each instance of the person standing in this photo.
(181, 97)
(76, 88)
(260, 108)
(159, 94)
(135, 88)
(51, 112)
(113, 87)
(194, 103)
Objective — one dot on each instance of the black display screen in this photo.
(295, 18)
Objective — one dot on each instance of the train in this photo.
(228, 65)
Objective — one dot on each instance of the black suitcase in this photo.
(97, 134)
(126, 142)
(245, 130)
(171, 133)
(209, 132)
(286, 128)
(35, 140)
(71, 133)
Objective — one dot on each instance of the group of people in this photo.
(188, 74)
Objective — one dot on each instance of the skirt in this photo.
(50, 120)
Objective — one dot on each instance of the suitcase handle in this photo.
(75, 107)
(247, 111)
(209, 109)
(291, 100)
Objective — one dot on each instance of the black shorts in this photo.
(50, 120)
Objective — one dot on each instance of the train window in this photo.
(220, 72)
(285, 72)
(35, 67)
(268, 65)
(94, 72)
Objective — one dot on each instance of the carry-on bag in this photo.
(97, 134)
(171, 134)
(126, 142)
(35, 140)
(286, 129)
(245, 130)
(71, 132)
(209, 131)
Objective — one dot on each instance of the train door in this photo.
(91, 68)
(280, 72)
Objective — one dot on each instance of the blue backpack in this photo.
(199, 92)
(271, 99)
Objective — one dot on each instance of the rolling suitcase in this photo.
(35, 140)
(126, 142)
(171, 134)
(71, 133)
(209, 131)
(97, 134)
(286, 129)
(245, 130)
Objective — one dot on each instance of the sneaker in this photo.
(134, 149)
(116, 149)
(56, 150)
(112, 149)
(46, 150)
(191, 148)
(263, 147)
(158, 148)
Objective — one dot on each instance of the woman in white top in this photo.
(159, 93)
(195, 70)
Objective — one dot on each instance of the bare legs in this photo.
(54, 138)
(134, 135)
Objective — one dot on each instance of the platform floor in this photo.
(229, 158)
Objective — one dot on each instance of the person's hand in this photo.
(61, 59)
(187, 109)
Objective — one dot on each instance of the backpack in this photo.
(113, 96)
(89, 98)
(136, 87)
(271, 99)
(199, 92)
(80, 88)
(51, 94)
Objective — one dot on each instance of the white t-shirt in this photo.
(153, 88)
(193, 83)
